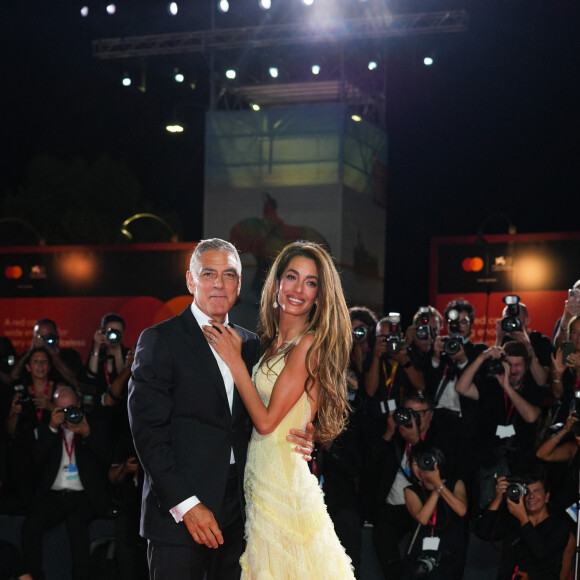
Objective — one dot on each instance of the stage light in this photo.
(356, 118)
(308, 2)
(315, 69)
(255, 107)
(174, 128)
(126, 81)
(179, 78)
(372, 64)
(172, 8)
(223, 6)
(84, 11)
(231, 74)
(265, 4)
(111, 9)
(273, 72)
(428, 61)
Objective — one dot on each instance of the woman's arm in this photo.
(421, 512)
(287, 390)
(549, 450)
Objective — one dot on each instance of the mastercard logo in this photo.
(13, 272)
(472, 264)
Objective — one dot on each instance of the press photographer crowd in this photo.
(447, 440)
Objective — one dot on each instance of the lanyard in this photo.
(433, 521)
(390, 380)
(69, 450)
(511, 410)
(40, 411)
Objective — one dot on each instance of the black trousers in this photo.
(197, 562)
(56, 507)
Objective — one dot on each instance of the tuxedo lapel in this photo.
(195, 340)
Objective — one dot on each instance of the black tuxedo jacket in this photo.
(182, 425)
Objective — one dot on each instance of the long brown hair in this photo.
(328, 356)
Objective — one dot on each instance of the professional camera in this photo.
(73, 415)
(393, 339)
(423, 331)
(404, 416)
(24, 396)
(511, 322)
(359, 333)
(452, 344)
(427, 462)
(516, 488)
(494, 366)
(114, 336)
(424, 564)
(51, 340)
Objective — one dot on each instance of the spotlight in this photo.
(356, 118)
(84, 11)
(273, 72)
(223, 6)
(174, 128)
(111, 9)
(179, 78)
(126, 81)
(231, 74)
(315, 69)
(172, 8)
(428, 61)
(308, 2)
(255, 107)
(372, 65)
(265, 4)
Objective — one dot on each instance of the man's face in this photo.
(423, 411)
(464, 324)
(65, 398)
(536, 498)
(216, 286)
(517, 370)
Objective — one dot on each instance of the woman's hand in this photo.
(573, 361)
(433, 477)
(225, 341)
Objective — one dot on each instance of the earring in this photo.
(275, 304)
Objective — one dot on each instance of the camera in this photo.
(427, 462)
(404, 416)
(424, 564)
(24, 396)
(114, 336)
(511, 322)
(73, 415)
(393, 339)
(494, 366)
(359, 333)
(51, 340)
(516, 488)
(452, 344)
(423, 331)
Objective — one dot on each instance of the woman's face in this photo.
(575, 335)
(38, 365)
(298, 287)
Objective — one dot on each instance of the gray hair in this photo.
(213, 244)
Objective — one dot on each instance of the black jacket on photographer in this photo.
(536, 550)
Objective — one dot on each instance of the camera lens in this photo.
(114, 336)
(73, 415)
(426, 462)
(403, 416)
(511, 324)
(359, 333)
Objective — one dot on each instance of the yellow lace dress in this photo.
(288, 531)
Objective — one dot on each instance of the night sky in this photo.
(493, 126)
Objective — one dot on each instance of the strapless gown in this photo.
(288, 531)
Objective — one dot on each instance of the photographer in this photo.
(364, 323)
(514, 325)
(426, 327)
(509, 405)
(107, 360)
(571, 310)
(439, 504)
(73, 457)
(392, 464)
(533, 539)
(66, 363)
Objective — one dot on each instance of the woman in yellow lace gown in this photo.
(300, 378)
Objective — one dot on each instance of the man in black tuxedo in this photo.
(191, 430)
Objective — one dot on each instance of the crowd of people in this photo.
(445, 437)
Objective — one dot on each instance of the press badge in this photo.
(71, 471)
(431, 543)
(505, 431)
(392, 405)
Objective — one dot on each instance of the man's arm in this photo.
(528, 412)
(465, 385)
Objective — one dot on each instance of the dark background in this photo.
(492, 128)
